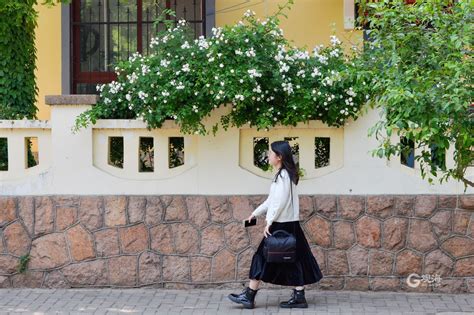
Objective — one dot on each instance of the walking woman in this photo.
(282, 213)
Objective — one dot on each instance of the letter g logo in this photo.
(413, 280)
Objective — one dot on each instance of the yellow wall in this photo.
(309, 23)
(48, 44)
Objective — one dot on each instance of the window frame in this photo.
(100, 77)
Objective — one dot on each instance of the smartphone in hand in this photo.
(250, 223)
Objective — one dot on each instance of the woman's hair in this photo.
(283, 150)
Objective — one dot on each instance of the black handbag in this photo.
(280, 246)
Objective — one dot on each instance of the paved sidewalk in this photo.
(164, 301)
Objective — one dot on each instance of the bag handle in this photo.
(283, 232)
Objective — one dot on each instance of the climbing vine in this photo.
(248, 67)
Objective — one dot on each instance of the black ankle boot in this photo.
(297, 300)
(246, 298)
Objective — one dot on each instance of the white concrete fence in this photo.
(79, 163)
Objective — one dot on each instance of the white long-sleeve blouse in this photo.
(278, 205)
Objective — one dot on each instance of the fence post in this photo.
(72, 153)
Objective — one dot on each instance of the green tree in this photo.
(420, 59)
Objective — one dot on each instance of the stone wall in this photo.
(360, 242)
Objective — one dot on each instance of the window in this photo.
(107, 31)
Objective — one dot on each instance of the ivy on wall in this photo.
(18, 88)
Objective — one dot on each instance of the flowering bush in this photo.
(249, 66)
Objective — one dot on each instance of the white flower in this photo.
(334, 53)
(302, 55)
(221, 65)
(335, 41)
(165, 93)
(257, 89)
(185, 68)
(132, 78)
(315, 72)
(114, 87)
(180, 86)
(232, 71)
(250, 53)
(164, 63)
(351, 92)
(249, 13)
(154, 41)
(241, 81)
(211, 59)
(128, 97)
(323, 59)
(253, 73)
(284, 67)
(238, 52)
(145, 69)
(287, 87)
(239, 97)
(142, 95)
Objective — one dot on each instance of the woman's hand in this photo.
(266, 232)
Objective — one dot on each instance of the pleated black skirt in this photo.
(305, 270)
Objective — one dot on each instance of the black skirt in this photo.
(305, 270)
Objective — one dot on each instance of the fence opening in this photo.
(176, 152)
(3, 154)
(116, 151)
(322, 147)
(146, 155)
(32, 151)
